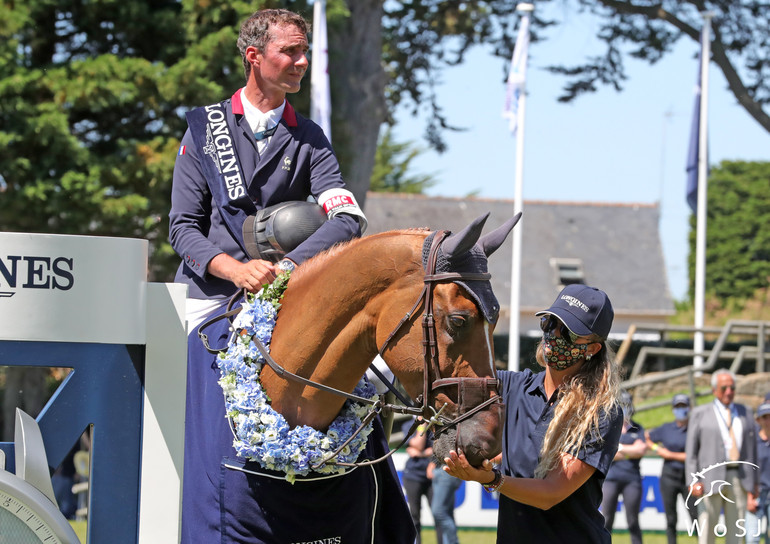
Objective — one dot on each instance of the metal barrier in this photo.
(758, 329)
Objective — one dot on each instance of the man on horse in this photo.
(239, 215)
(248, 154)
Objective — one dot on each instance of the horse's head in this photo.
(457, 372)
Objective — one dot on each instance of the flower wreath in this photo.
(260, 433)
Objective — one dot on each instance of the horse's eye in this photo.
(456, 322)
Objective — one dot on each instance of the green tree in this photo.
(391, 167)
(92, 94)
(737, 237)
(648, 30)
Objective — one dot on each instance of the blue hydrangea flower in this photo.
(260, 433)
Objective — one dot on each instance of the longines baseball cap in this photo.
(584, 310)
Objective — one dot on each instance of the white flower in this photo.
(227, 383)
(268, 419)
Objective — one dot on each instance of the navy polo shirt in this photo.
(416, 468)
(576, 519)
(673, 438)
(627, 470)
(763, 460)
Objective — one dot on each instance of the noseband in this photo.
(470, 391)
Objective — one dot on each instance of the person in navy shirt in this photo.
(668, 441)
(762, 504)
(561, 430)
(625, 477)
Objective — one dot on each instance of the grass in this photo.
(655, 417)
(80, 529)
(486, 536)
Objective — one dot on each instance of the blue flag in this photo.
(693, 152)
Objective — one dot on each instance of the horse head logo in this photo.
(717, 485)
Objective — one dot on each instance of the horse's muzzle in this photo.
(476, 429)
(480, 437)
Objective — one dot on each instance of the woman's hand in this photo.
(459, 467)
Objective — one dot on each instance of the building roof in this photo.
(617, 246)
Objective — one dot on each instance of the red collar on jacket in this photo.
(289, 115)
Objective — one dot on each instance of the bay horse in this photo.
(420, 299)
(339, 310)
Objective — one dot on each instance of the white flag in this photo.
(320, 97)
(517, 75)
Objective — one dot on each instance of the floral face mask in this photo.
(560, 354)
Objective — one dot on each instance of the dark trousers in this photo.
(672, 485)
(632, 499)
(415, 489)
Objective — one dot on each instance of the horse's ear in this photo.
(490, 242)
(460, 243)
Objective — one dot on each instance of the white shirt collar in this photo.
(728, 408)
(254, 115)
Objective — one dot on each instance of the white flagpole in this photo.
(522, 41)
(320, 94)
(700, 233)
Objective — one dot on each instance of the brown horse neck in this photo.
(326, 327)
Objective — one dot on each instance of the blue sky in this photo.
(609, 146)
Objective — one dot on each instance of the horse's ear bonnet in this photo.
(467, 251)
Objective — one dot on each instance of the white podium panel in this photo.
(73, 288)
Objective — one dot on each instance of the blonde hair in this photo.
(592, 392)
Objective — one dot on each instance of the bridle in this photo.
(476, 388)
(470, 391)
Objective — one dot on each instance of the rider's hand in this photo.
(251, 275)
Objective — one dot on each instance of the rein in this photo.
(430, 363)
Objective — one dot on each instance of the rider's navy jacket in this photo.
(576, 519)
(197, 231)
